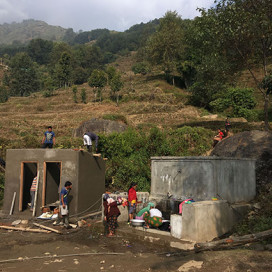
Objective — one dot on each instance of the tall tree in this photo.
(39, 50)
(64, 70)
(23, 75)
(243, 31)
(97, 81)
(116, 85)
(165, 46)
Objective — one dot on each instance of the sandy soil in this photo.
(125, 252)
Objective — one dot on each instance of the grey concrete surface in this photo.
(176, 225)
(87, 174)
(203, 178)
(205, 220)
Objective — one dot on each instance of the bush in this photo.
(129, 152)
(83, 95)
(141, 68)
(47, 93)
(3, 94)
(236, 102)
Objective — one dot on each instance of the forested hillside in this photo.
(29, 29)
(157, 77)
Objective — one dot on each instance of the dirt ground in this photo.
(127, 252)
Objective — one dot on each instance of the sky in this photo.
(87, 15)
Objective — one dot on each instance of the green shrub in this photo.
(236, 102)
(141, 68)
(83, 95)
(47, 93)
(3, 94)
(74, 90)
(129, 152)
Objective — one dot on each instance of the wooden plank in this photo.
(36, 194)
(47, 228)
(12, 204)
(24, 229)
(233, 241)
(44, 184)
(21, 187)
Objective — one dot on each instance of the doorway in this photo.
(28, 173)
(52, 174)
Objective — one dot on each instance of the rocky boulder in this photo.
(99, 126)
(250, 144)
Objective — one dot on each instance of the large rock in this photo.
(99, 126)
(250, 144)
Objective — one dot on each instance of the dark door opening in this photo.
(52, 182)
(28, 173)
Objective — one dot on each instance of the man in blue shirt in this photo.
(48, 138)
(63, 207)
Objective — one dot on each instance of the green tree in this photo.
(116, 85)
(64, 70)
(97, 81)
(140, 68)
(89, 57)
(23, 75)
(165, 46)
(57, 51)
(69, 36)
(242, 29)
(111, 72)
(3, 94)
(39, 50)
(74, 90)
(83, 96)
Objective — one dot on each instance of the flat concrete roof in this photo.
(199, 158)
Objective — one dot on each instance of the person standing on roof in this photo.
(88, 138)
(48, 138)
(33, 189)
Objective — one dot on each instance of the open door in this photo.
(28, 173)
(51, 183)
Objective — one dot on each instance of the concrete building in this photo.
(55, 167)
(232, 181)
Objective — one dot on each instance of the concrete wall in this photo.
(91, 183)
(205, 220)
(70, 168)
(202, 178)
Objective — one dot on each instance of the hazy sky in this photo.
(92, 14)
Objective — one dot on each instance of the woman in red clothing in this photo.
(132, 200)
(218, 137)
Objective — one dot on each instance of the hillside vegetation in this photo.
(173, 81)
(28, 30)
